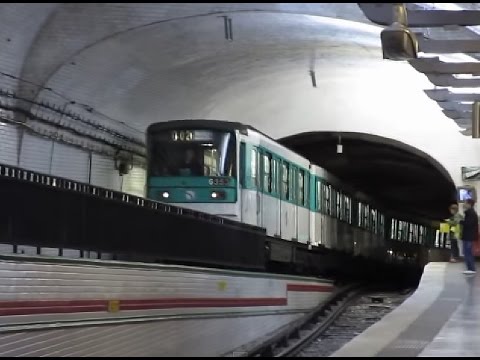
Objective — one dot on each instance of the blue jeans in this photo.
(468, 255)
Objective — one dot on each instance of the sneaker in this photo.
(469, 272)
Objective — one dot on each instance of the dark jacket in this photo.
(470, 226)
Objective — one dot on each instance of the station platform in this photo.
(442, 318)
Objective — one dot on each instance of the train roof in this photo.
(199, 124)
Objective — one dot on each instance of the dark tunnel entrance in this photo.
(400, 176)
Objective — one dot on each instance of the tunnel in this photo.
(396, 175)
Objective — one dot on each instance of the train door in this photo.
(313, 205)
(276, 166)
(327, 213)
(294, 200)
(270, 200)
(318, 213)
(303, 211)
(288, 208)
(251, 195)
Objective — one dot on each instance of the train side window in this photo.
(404, 231)
(267, 174)
(347, 209)
(253, 167)
(339, 205)
(334, 202)
(360, 215)
(327, 197)
(319, 195)
(307, 190)
(301, 187)
(393, 229)
(242, 165)
(335, 194)
(364, 222)
(381, 220)
(274, 172)
(293, 183)
(374, 221)
(285, 181)
(366, 217)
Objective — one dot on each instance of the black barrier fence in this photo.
(47, 211)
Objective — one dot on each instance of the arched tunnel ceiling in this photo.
(164, 68)
(401, 177)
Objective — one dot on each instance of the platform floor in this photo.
(442, 318)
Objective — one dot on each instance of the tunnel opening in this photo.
(397, 175)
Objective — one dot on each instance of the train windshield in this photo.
(192, 153)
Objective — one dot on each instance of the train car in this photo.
(235, 171)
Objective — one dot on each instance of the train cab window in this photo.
(267, 173)
(301, 187)
(253, 167)
(285, 182)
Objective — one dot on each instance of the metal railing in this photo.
(63, 184)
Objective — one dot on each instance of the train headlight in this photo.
(165, 194)
(217, 195)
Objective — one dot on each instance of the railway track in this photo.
(346, 313)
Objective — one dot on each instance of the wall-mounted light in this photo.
(339, 145)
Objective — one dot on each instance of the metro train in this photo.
(233, 170)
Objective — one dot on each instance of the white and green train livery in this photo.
(234, 171)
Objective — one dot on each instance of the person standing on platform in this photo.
(454, 231)
(469, 235)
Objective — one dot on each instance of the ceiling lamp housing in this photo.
(398, 42)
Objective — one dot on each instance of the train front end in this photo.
(194, 166)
